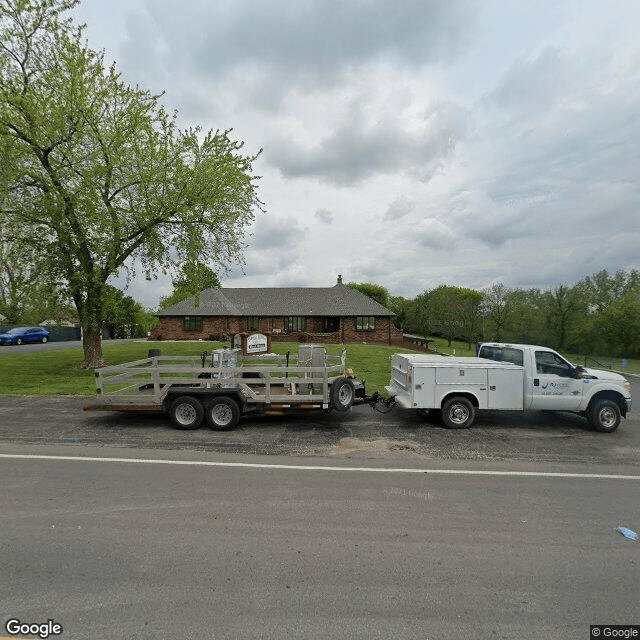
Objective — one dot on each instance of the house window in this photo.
(193, 323)
(253, 323)
(295, 323)
(365, 323)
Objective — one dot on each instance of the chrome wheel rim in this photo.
(185, 414)
(458, 413)
(345, 394)
(221, 415)
(608, 417)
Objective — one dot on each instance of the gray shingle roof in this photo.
(339, 300)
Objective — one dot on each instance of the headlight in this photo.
(627, 386)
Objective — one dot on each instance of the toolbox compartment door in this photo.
(506, 388)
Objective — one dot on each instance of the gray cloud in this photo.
(324, 38)
(434, 234)
(356, 150)
(324, 215)
(399, 208)
(276, 233)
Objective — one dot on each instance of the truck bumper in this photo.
(402, 399)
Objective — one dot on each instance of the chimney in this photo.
(339, 279)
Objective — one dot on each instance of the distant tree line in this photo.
(598, 315)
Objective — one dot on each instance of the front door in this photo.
(330, 325)
(555, 386)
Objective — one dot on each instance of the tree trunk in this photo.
(90, 310)
(92, 344)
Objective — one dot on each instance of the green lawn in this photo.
(56, 372)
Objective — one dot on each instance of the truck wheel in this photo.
(341, 394)
(604, 416)
(458, 413)
(223, 413)
(186, 413)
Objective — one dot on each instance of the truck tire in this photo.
(222, 413)
(342, 394)
(186, 412)
(458, 413)
(604, 416)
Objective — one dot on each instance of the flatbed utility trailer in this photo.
(224, 385)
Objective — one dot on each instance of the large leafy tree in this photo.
(497, 309)
(124, 317)
(96, 176)
(450, 312)
(193, 278)
(374, 291)
(25, 295)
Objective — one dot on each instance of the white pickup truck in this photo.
(510, 377)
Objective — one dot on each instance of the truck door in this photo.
(555, 386)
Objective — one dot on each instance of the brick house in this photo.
(335, 314)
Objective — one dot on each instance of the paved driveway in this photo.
(38, 346)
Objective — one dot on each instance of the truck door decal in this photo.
(555, 386)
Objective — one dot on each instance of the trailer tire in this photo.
(458, 413)
(342, 394)
(604, 416)
(186, 412)
(223, 413)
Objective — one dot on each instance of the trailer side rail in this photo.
(146, 383)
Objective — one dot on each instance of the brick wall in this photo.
(224, 328)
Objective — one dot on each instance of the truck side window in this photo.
(547, 362)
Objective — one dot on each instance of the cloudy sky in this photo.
(409, 143)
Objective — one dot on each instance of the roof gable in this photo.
(339, 300)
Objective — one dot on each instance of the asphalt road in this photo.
(137, 550)
(402, 528)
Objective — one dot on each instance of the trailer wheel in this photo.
(223, 413)
(604, 416)
(342, 394)
(458, 413)
(186, 412)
